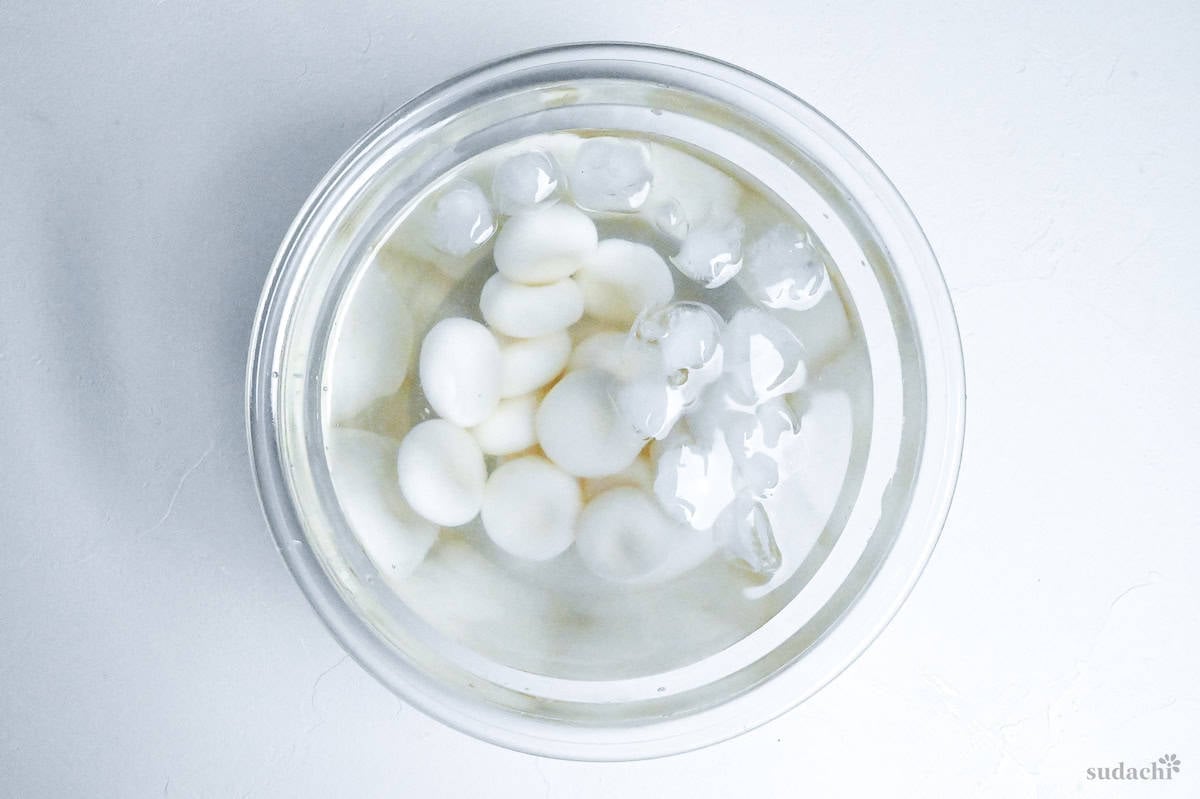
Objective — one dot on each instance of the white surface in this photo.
(153, 156)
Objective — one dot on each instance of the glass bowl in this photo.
(892, 506)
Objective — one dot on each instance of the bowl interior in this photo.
(896, 412)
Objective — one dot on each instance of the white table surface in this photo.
(152, 155)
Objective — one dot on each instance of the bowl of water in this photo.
(605, 401)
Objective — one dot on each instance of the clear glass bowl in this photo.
(866, 560)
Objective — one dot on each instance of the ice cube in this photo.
(781, 433)
(783, 269)
(694, 481)
(524, 180)
(763, 358)
(461, 219)
(765, 445)
(374, 346)
(711, 255)
(650, 404)
(763, 440)
(687, 339)
(611, 174)
(670, 219)
(744, 533)
(778, 424)
(759, 475)
(744, 436)
(362, 466)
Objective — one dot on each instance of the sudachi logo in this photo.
(1162, 769)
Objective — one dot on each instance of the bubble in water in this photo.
(687, 338)
(611, 174)
(763, 358)
(694, 481)
(461, 219)
(524, 180)
(711, 255)
(783, 270)
(744, 533)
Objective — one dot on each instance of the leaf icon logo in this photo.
(1170, 761)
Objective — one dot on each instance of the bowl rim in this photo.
(870, 613)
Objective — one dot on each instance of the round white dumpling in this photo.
(763, 357)
(522, 311)
(530, 507)
(460, 371)
(545, 244)
(610, 351)
(613, 352)
(527, 364)
(621, 279)
(440, 470)
(580, 430)
(362, 466)
(510, 427)
(623, 535)
(688, 192)
(374, 346)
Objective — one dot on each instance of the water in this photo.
(685, 361)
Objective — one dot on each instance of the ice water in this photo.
(596, 404)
